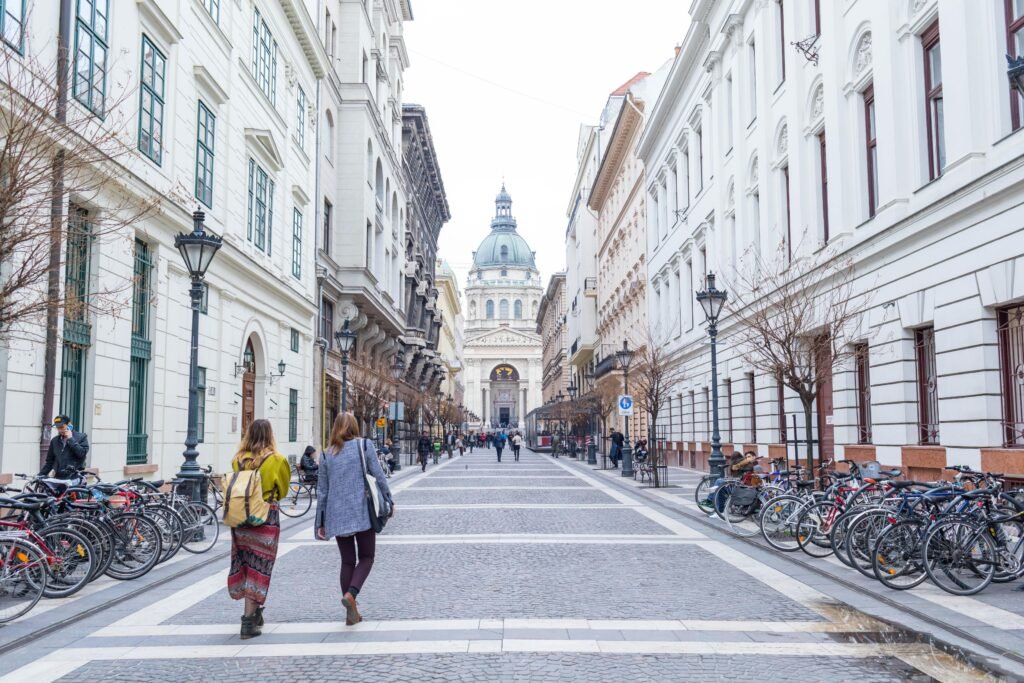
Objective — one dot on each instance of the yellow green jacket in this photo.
(275, 475)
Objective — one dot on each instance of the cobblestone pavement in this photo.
(540, 570)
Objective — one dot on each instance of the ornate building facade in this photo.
(503, 350)
(551, 326)
(451, 342)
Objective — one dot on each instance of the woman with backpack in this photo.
(254, 542)
(341, 506)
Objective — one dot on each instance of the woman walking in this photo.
(254, 549)
(341, 509)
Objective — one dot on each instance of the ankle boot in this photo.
(259, 616)
(250, 627)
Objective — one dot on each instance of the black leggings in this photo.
(354, 575)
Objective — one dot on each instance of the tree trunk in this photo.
(810, 436)
(652, 450)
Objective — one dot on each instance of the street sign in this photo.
(625, 404)
(382, 422)
(396, 411)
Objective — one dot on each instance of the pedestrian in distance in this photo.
(307, 465)
(341, 509)
(517, 443)
(423, 448)
(390, 455)
(254, 548)
(460, 445)
(618, 441)
(437, 449)
(499, 444)
(471, 441)
(66, 455)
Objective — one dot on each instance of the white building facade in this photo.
(451, 340)
(897, 148)
(222, 121)
(503, 349)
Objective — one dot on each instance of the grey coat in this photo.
(341, 492)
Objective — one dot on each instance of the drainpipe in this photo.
(56, 220)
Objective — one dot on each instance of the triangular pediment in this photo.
(504, 336)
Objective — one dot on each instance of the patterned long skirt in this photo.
(253, 551)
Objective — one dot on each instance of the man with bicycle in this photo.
(67, 452)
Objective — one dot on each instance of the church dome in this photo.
(504, 247)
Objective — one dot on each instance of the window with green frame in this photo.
(151, 101)
(264, 57)
(200, 404)
(77, 335)
(293, 415)
(295, 340)
(206, 131)
(296, 243)
(12, 26)
(141, 352)
(261, 208)
(213, 7)
(89, 84)
(300, 118)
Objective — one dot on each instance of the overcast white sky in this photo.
(507, 85)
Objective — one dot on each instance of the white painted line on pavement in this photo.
(523, 506)
(500, 488)
(970, 607)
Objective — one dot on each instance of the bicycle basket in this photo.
(870, 469)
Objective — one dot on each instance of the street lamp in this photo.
(573, 390)
(625, 357)
(588, 376)
(345, 338)
(197, 250)
(712, 300)
(397, 370)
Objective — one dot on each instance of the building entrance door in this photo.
(504, 416)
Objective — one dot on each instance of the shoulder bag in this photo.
(375, 503)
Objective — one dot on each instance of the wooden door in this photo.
(248, 400)
(826, 430)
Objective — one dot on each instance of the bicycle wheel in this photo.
(136, 546)
(23, 577)
(1010, 550)
(741, 519)
(813, 526)
(70, 562)
(701, 495)
(778, 519)
(202, 528)
(171, 527)
(896, 561)
(862, 537)
(97, 538)
(298, 501)
(838, 533)
(959, 556)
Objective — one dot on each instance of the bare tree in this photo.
(794, 322)
(369, 390)
(653, 376)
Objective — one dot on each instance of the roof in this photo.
(504, 246)
(624, 88)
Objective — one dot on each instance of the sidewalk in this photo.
(989, 626)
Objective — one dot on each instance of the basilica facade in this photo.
(502, 348)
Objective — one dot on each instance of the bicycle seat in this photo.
(781, 473)
(107, 488)
(805, 483)
(897, 484)
(30, 505)
(891, 473)
(154, 484)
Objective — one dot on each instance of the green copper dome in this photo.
(504, 247)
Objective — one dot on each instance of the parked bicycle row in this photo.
(962, 534)
(58, 535)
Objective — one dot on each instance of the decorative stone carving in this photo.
(753, 172)
(818, 102)
(731, 198)
(783, 142)
(862, 60)
(917, 6)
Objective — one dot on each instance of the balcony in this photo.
(590, 287)
(605, 365)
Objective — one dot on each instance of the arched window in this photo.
(329, 152)
(504, 273)
(503, 309)
(519, 309)
(378, 184)
(504, 252)
(369, 161)
(490, 309)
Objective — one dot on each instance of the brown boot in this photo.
(352, 616)
(250, 627)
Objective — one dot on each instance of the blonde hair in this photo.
(345, 428)
(258, 442)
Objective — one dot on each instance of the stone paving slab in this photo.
(500, 480)
(506, 668)
(475, 581)
(520, 521)
(424, 496)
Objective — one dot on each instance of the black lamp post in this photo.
(573, 390)
(712, 300)
(197, 250)
(397, 370)
(625, 357)
(345, 338)
(588, 375)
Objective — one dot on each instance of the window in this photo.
(329, 142)
(503, 309)
(77, 334)
(490, 309)
(927, 386)
(264, 57)
(871, 149)
(12, 29)
(782, 41)
(518, 309)
(753, 407)
(151, 101)
(728, 113)
(293, 415)
(90, 79)
(863, 372)
(755, 220)
(1015, 48)
(504, 253)
(822, 159)
(753, 80)
(728, 407)
(325, 243)
(698, 132)
(300, 118)
(707, 414)
(140, 355)
(1011, 370)
(693, 415)
(213, 7)
(296, 243)
(816, 9)
(327, 322)
(204, 301)
(261, 208)
(200, 404)
(206, 130)
(789, 230)
(504, 272)
(781, 398)
(933, 100)
(294, 341)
